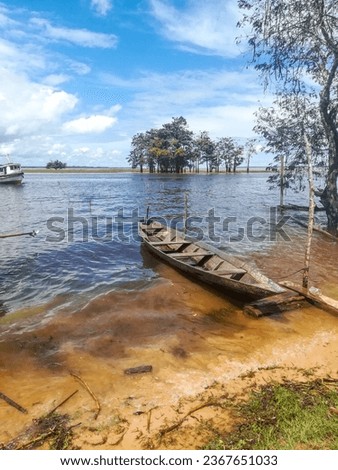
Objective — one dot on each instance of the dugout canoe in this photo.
(206, 263)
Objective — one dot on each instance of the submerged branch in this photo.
(82, 382)
(13, 403)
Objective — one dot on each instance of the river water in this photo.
(87, 240)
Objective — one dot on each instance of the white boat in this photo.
(11, 172)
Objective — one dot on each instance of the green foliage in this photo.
(283, 126)
(173, 148)
(294, 47)
(56, 165)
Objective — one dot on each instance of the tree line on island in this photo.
(56, 165)
(173, 148)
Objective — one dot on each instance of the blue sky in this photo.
(79, 78)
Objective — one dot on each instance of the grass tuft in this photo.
(285, 416)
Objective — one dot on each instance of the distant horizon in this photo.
(136, 170)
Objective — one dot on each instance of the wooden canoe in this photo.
(206, 263)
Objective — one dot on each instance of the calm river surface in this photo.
(87, 240)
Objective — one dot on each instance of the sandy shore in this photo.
(201, 348)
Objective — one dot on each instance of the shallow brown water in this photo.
(190, 335)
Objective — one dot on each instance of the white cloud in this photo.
(87, 125)
(78, 67)
(21, 57)
(178, 93)
(5, 21)
(102, 7)
(221, 102)
(33, 108)
(79, 37)
(199, 26)
(82, 150)
(228, 120)
(56, 79)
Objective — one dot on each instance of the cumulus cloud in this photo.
(35, 107)
(102, 7)
(88, 125)
(79, 37)
(199, 26)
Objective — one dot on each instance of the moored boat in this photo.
(206, 263)
(11, 172)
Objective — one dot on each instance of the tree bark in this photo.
(329, 197)
(311, 213)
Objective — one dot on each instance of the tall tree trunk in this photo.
(329, 197)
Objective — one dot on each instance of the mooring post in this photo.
(308, 150)
(185, 212)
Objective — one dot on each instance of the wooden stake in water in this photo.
(308, 151)
(282, 168)
(185, 212)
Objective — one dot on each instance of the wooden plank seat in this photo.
(153, 230)
(170, 243)
(191, 254)
(222, 272)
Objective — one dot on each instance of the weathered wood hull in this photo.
(232, 276)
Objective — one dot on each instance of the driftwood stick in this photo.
(148, 420)
(62, 403)
(13, 403)
(138, 370)
(330, 380)
(42, 437)
(9, 235)
(178, 424)
(82, 382)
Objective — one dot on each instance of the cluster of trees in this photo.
(295, 49)
(174, 148)
(56, 165)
